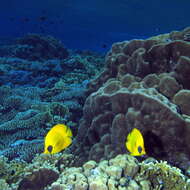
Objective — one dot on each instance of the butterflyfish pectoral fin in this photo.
(67, 142)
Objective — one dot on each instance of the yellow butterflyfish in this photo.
(57, 139)
(135, 143)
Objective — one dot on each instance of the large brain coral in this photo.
(111, 113)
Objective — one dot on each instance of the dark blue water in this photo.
(93, 25)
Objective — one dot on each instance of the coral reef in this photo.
(44, 74)
(141, 86)
(35, 95)
(159, 54)
(144, 85)
(114, 111)
(35, 47)
(123, 172)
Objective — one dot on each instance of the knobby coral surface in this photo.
(123, 172)
(141, 86)
(145, 85)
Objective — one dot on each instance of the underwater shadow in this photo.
(154, 146)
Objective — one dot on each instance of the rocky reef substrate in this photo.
(124, 172)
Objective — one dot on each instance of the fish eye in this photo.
(50, 148)
(139, 149)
